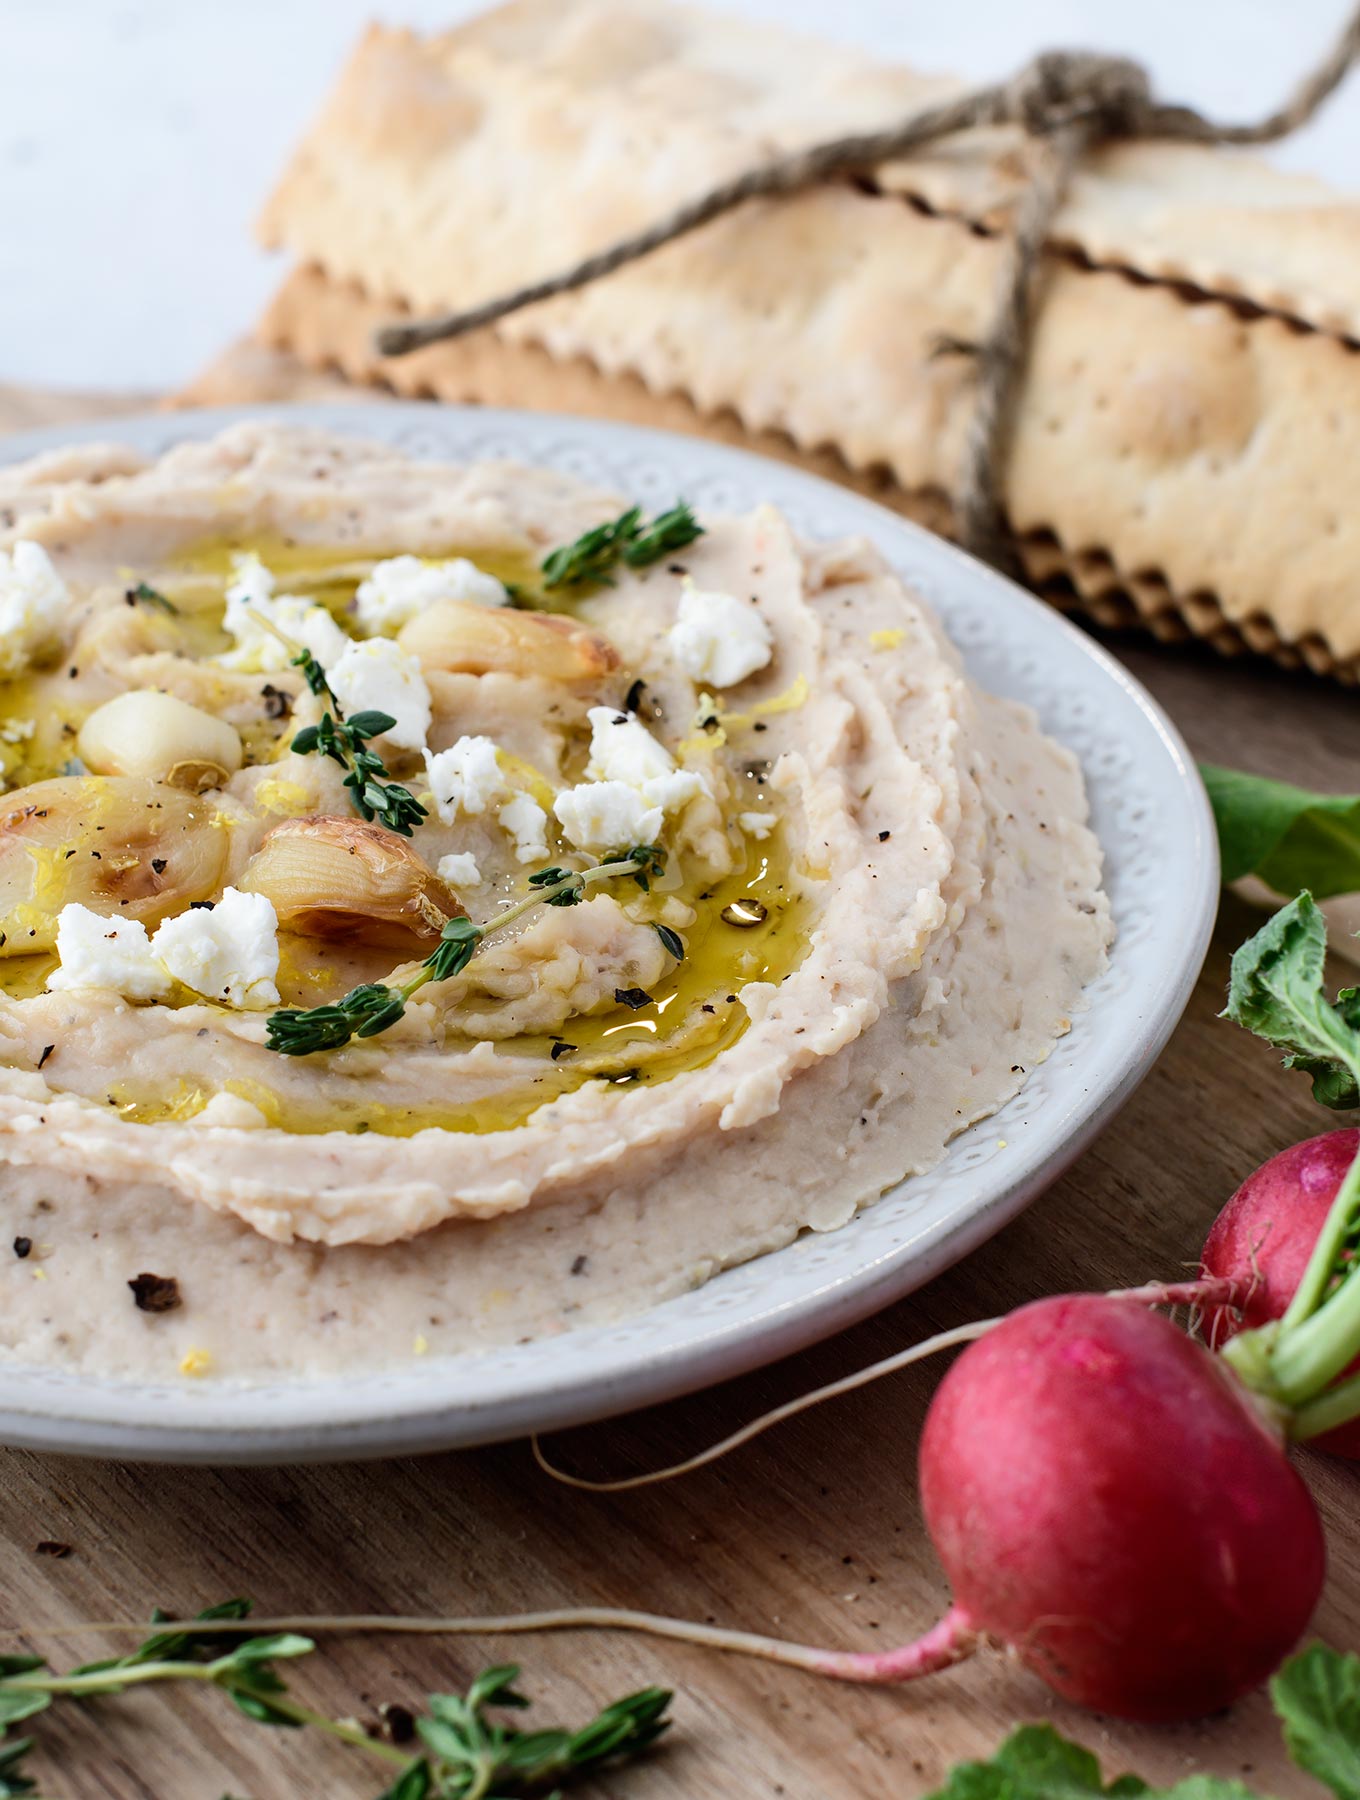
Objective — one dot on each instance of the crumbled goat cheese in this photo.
(606, 815)
(622, 748)
(17, 731)
(624, 754)
(671, 792)
(467, 777)
(719, 639)
(527, 823)
(756, 824)
(378, 676)
(229, 952)
(33, 599)
(95, 951)
(232, 1111)
(257, 650)
(459, 869)
(401, 588)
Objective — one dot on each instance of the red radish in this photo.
(1106, 1498)
(1263, 1239)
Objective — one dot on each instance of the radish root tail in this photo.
(943, 1340)
(950, 1641)
(1205, 1292)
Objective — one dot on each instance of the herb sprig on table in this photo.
(595, 555)
(374, 793)
(453, 1750)
(372, 1008)
(1316, 1696)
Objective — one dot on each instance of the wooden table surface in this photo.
(812, 1532)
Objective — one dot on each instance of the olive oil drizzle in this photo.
(692, 1014)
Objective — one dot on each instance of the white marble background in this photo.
(138, 137)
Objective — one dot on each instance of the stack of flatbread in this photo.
(1189, 434)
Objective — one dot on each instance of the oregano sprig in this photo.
(365, 1011)
(595, 555)
(460, 1751)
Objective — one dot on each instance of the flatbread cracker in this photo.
(472, 141)
(329, 326)
(1184, 457)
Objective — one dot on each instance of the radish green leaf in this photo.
(1317, 1695)
(1035, 1763)
(1277, 991)
(1287, 836)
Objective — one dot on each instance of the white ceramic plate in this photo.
(1152, 817)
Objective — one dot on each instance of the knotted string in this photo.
(1066, 102)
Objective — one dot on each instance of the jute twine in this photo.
(1066, 102)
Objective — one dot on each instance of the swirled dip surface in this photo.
(875, 904)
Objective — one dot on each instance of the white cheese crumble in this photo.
(378, 676)
(527, 824)
(33, 598)
(756, 824)
(401, 588)
(232, 1111)
(718, 638)
(106, 953)
(622, 748)
(671, 792)
(606, 815)
(257, 651)
(229, 952)
(467, 777)
(459, 869)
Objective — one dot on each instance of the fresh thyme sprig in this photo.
(374, 793)
(596, 553)
(365, 1011)
(459, 1753)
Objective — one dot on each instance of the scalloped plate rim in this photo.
(592, 1374)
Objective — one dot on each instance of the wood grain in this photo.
(813, 1531)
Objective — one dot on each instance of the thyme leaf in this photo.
(672, 942)
(145, 595)
(595, 555)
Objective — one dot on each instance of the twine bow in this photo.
(1066, 102)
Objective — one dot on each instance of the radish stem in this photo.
(1312, 1289)
(1294, 1359)
(1338, 1406)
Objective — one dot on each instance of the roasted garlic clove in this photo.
(462, 638)
(156, 735)
(132, 848)
(342, 879)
